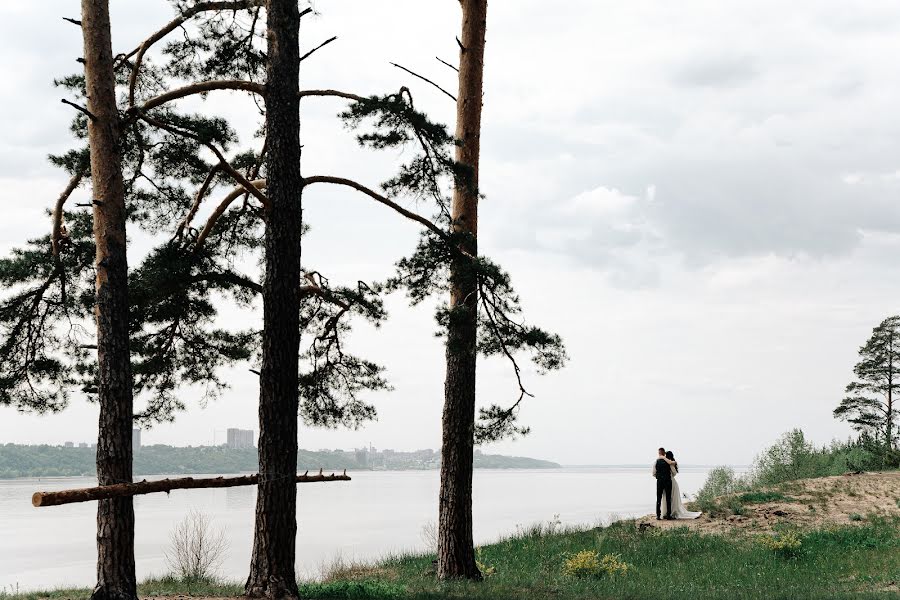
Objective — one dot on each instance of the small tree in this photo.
(869, 404)
(196, 550)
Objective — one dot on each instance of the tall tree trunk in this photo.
(456, 552)
(272, 572)
(115, 516)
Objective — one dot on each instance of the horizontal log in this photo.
(120, 490)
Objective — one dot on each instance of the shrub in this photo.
(582, 564)
(196, 551)
(589, 564)
(856, 517)
(721, 481)
(785, 545)
(486, 569)
(612, 565)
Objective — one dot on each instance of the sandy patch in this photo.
(814, 503)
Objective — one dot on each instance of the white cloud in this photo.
(721, 211)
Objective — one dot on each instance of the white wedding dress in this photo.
(678, 509)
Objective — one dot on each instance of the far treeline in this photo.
(55, 461)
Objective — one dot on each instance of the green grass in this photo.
(849, 562)
(860, 561)
(762, 497)
(161, 586)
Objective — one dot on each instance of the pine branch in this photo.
(171, 26)
(223, 163)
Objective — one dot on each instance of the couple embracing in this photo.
(668, 495)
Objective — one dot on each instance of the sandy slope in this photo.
(813, 502)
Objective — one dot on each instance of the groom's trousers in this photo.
(664, 486)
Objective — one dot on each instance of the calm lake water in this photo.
(375, 514)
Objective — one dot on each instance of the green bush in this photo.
(589, 564)
(792, 457)
(784, 545)
(720, 482)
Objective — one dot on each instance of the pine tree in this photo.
(172, 164)
(481, 316)
(870, 402)
(456, 549)
(272, 570)
(115, 517)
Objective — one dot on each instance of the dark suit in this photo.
(663, 474)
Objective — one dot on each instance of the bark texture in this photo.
(272, 562)
(456, 551)
(120, 490)
(115, 516)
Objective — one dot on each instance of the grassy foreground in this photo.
(853, 561)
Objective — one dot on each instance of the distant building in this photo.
(69, 444)
(82, 445)
(240, 438)
(135, 439)
(362, 457)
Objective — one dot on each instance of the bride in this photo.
(678, 509)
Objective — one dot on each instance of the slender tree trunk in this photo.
(272, 572)
(456, 552)
(115, 516)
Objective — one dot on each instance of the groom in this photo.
(663, 474)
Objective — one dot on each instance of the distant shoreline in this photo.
(20, 461)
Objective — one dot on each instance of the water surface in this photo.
(378, 513)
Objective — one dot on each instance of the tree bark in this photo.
(138, 488)
(272, 572)
(456, 551)
(115, 516)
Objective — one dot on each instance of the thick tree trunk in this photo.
(115, 516)
(272, 563)
(456, 552)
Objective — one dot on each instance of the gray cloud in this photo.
(711, 70)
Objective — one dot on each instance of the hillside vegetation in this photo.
(55, 461)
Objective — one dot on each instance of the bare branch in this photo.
(222, 207)
(80, 108)
(441, 60)
(319, 47)
(335, 93)
(378, 198)
(56, 234)
(202, 88)
(425, 79)
(72, 21)
(201, 193)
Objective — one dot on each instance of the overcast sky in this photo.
(701, 197)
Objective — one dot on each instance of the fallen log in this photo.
(120, 490)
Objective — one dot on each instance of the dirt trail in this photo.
(810, 503)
